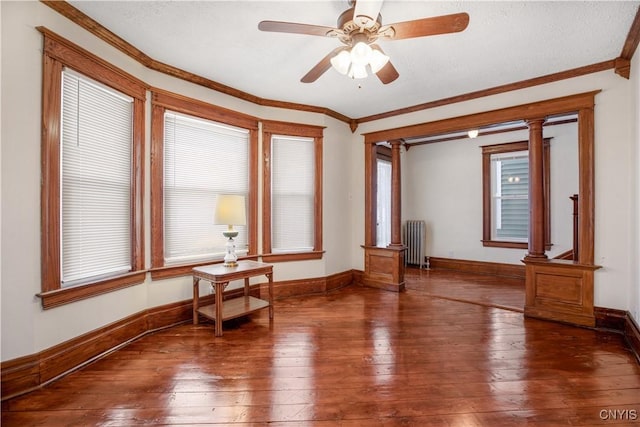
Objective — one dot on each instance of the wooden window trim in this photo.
(487, 151)
(57, 54)
(270, 128)
(161, 102)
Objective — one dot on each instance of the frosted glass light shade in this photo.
(360, 54)
(358, 71)
(377, 60)
(230, 210)
(341, 62)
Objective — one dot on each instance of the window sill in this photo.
(293, 256)
(501, 244)
(64, 296)
(168, 272)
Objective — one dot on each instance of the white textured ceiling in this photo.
(505, 42)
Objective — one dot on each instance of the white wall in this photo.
(634, 297)
(443, 186)
(26, 328)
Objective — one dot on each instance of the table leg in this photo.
(270, 277)
(196, 297)
(246, 287)
(219, 292)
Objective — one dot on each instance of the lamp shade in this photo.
(230, 210)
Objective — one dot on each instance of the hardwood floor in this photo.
(357, 357)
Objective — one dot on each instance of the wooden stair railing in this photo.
(576, 220)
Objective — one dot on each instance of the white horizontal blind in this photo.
(202, 159)
(292, 194)
(96, 157)
(511, 196)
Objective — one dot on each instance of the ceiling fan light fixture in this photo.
(341, 62)
(377, 60)
(360, 54)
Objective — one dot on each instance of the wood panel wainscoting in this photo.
(560, 290)
(384, 268)
(27, 373)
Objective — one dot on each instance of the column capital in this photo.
(537, 121)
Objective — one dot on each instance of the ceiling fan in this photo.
(359, 28)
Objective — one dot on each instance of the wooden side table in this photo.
(220, 276)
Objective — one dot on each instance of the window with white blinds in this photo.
(383, 203)
(510, 188)
(202, 159)
(96, 159)
(292, 194)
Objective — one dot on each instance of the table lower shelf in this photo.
(235, 307)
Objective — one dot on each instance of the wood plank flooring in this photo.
(357, 357)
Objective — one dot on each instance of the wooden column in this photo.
(396, 195)
(384, 267)
(536, 189)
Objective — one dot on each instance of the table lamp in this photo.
(230, 211)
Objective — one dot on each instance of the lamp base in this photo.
(230, 257)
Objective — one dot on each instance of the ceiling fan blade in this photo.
(388, 73)
(366, 12)
(295, 28)
(321, 67)
(426, 27)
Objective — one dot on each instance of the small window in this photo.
(505, 170)
(292, 204)
(383, 203)
(510, 196)
(292, 194)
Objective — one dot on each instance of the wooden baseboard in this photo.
(610, 318)
(24, 374)
(312, 286)
(620, 321)
(27, 373)
(479, 267)
(632, 335)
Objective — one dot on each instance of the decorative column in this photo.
(536, 189)
(396, 196)
(384, 267)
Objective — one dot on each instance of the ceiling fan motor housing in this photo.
(366, 32)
